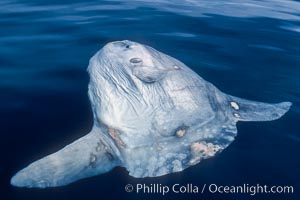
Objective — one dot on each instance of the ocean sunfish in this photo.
(152, 114)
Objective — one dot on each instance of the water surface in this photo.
(248, 49)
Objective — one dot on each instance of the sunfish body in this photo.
(152, 115)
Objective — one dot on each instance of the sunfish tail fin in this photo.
(87, 156)
(247, 110)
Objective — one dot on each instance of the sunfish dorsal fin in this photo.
(247, 110)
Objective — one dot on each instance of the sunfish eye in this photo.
(135, 61)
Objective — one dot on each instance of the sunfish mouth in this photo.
(152, 115)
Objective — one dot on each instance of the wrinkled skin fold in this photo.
(152, 115)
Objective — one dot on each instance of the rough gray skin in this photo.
(152, 115)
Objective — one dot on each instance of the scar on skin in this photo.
(181, 131)
(176, 67)
(115, 134)
(201, 150)
(234, 105)
(159, 148)
(208, 149)
(100, 146)
(93, 160)
(236, 115)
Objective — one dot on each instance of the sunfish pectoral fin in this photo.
(87, 156)
(246, 110)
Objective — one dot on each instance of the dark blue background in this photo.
(44, 53)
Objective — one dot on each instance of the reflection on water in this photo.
(248, 49)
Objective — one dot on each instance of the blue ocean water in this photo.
(249, 49)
